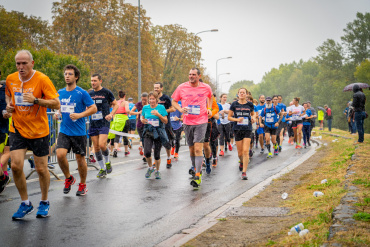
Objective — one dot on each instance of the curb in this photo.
(211, 219)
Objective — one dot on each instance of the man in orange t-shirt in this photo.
(28, 94)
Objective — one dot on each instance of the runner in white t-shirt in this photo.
(296, 111)
(225, 126)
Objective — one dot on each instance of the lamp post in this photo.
(216, 71)
(195, 42)
(218, 77)
(221, 84)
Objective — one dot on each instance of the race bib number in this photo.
(67, 108)
(98, 101)
(154, 122)
(269, 118)
(97, 116)
(244, 122)
(18, 97)
(173, 119)
(295, 117)
(194, 109)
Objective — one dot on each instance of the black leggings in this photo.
(148, 144)
(176, 142)
(125, 130)
(214, 146)
(225, 130)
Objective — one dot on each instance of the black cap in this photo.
(268, 99)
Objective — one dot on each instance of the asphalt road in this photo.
(126, 209)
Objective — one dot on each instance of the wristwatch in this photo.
(36, 101)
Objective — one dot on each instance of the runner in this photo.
(271, 113)
(4, 140)
(296, 111)
(314, 116)
(260, 130)
(153, 116)
(100, 123)
(283, 125)
(136, 110)
(306, 125)
(176, 118)
(289, 125)
(76, 104)
(166, 102)
(195, 98)
(132, 119)
(242, 113)
(28, 94)
(225, 126)
(121, 123)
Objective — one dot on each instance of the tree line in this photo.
(321, 79)
(101, 37)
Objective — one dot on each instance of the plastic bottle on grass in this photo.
(296, 229)
(303, 232)
(324, 181)
(318, 193)
(284, 196)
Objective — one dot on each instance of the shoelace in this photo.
(68, 182)
(81, 187)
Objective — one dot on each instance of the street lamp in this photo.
(216, 69)
(221, 84)
(219, 76)
(195, 42)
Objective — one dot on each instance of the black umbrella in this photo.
(320, 108)
(350, 86)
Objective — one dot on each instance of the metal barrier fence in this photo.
(54, 127)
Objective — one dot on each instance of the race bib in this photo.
(269, 118)
(154, 122)
(98, 101)
(67, 108)
(295, 117)
(18, 97)
(173, 119)
(244, 122)
(194, 109)
(97, 116)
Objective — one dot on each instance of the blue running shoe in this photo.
(22, 211)
(208, 168)
(43, 210)
(149, 172)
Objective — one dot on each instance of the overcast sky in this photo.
(258, 34)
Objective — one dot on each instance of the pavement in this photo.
(125, 208)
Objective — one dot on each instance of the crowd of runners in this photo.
(212, 126)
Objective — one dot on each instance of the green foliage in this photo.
(365, 182)
(362, 73)
(324, 185)
(362, 216)
(49, 63)
(233, 91)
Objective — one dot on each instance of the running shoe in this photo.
(262, 151)
(221, 153)
(250, 153)
(196, 181)
(172, 150)
(269, 155)
(102, 173)
(114, 153)
(22, 211)
(32, 162)
(68, 182)
(109, 167)
(240, 166)
(204, 163)
(214, 163)
(280, 148)
(119, 150)
(141, 150)
(43, 210)
(149, 172)
(92, 159)
(192, 171)
(51, 166)
(169, 164)
(130, 143)
(298, 146)
(127, 153)
(82, 190)
(230, 147)
(304, 145)
(111, 153)
(309, 143)
(144, 159)
(244, 176)
(176, 156)
(276, 151)
(208, 168)
(157, 175)
(4, 182)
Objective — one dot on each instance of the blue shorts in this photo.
(98, 131)
(260, 131)
(132, 124)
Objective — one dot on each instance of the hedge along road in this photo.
(126, 209)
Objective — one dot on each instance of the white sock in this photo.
(27, 202)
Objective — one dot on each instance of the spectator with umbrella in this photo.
(358, 105)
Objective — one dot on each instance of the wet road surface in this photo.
(125, 208)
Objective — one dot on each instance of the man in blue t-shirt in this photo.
(283, 125)
(75, 105)
(260, 130)
(306, 129)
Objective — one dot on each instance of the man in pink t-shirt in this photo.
(195, 99)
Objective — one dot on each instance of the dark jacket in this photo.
(157, 132)
(359, 99)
